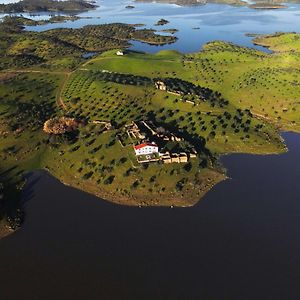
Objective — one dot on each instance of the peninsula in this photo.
(135, 128)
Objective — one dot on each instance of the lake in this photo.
(216, 22)
(240, 242)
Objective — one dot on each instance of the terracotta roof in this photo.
(144, 145)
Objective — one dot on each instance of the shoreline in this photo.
(189, 198)
(5, 230)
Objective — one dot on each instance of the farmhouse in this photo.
(146, 149)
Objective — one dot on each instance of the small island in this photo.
(162, 22)
(267, 6)
(171, 30)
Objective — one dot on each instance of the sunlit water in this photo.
(215, 22)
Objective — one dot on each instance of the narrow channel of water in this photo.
(240, 242)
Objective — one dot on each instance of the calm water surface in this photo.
(216, 22)
(242, 241)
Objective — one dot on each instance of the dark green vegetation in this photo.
(63, 48)
(108, 36)
(223, 99)
(171, 30)
(46, 5)
(54, 19)
(162, 22)
(27, 100)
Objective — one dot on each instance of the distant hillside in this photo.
(46, 5)
(178, 2)
(266, 4)
(196, 2)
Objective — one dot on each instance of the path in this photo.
(66, 74)
(60, 102)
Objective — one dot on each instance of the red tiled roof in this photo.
(144, 145)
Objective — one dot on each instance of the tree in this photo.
(188, 167)
(109, 180)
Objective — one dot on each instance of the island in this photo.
(52, 20)
(267, 6)
(47, 5)
(134, 128)
(177, 2)
(162, 22)
(171, 30)
(196, 2)
(259, 4)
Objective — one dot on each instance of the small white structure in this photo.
(160, 85)
(120, 53)
(146, 149)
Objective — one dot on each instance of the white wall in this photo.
(146, 150)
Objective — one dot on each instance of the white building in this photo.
(160, 85)
(120, 53)
(146, 149)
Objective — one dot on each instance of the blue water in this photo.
(216, 22)
(89, 55)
